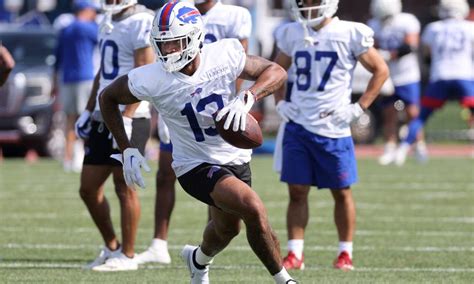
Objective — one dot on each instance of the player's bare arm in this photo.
(375, 64)
(268, 76)
(112, 96)
(6, 64)
(95, 88)
(285, 62)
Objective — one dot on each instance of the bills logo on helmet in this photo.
(188, 15)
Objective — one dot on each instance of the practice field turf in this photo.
(414, 224)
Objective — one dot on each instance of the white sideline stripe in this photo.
(245, 248)
(240, 267)
(89, 230)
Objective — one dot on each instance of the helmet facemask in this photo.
(116, 6)
(313, 13)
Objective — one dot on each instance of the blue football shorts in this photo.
(311, 159)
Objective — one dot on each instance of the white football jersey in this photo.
(279, 36)
(226, 21)
(324, 71)
(117, 51)
(451, 43)
(187, 104)
(390, 35)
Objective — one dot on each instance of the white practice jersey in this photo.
(117, 51)
(390, 35)
(187, 103)
(452, 49)
(324, 71)
(279, 35)
(226, 21)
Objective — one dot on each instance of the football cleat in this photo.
(105, 253)
(198, 276)
(154, 255)
(118, 262)
(389, 154)
(421, 152)
(343, 262)
(291, 262)
(402, 153)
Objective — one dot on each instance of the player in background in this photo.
(124, 42)
(317, 145)
(220, 21)
(188, 86)
(397, 39)
(449, 43)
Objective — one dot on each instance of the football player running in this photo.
(317, 145)
(397, 39)
(124, 41)
(449, 43)
(188, 87)
(220, 21)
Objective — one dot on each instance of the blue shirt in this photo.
(74, 53)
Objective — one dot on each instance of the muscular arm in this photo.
(6, 64)
(238, 82)
(112, 96)
(141, 56)
(375, 64)
(268, 76)
(284, 61)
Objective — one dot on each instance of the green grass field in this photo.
(415, 224)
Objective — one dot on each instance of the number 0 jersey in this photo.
(452, 49)
(226, 21)
(187, 103)
(324, 70)
(117, 50)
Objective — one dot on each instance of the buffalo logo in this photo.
(188, 15)
(212, 170)
(196, 92)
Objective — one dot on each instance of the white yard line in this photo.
(239, 267)
(247, 248)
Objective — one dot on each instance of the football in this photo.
(250, 138)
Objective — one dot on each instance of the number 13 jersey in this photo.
(324, 69)
(187, 104)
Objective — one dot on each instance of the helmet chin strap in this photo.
(106, 24)
(307, 38)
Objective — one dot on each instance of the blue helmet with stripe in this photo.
(177, 21)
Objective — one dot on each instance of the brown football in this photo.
(250, 138)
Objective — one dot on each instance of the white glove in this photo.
(82, 127)
(286, 110)
(132, 162)
(345, 115)
(163, 131)
(127, 124)
(237, 109)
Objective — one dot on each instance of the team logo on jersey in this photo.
(212, 170)
(188, 15)
(196, 92)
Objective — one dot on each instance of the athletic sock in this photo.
(159, 244)
(296, 246)
(345, 246)
(201, 259)
(282, 277)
